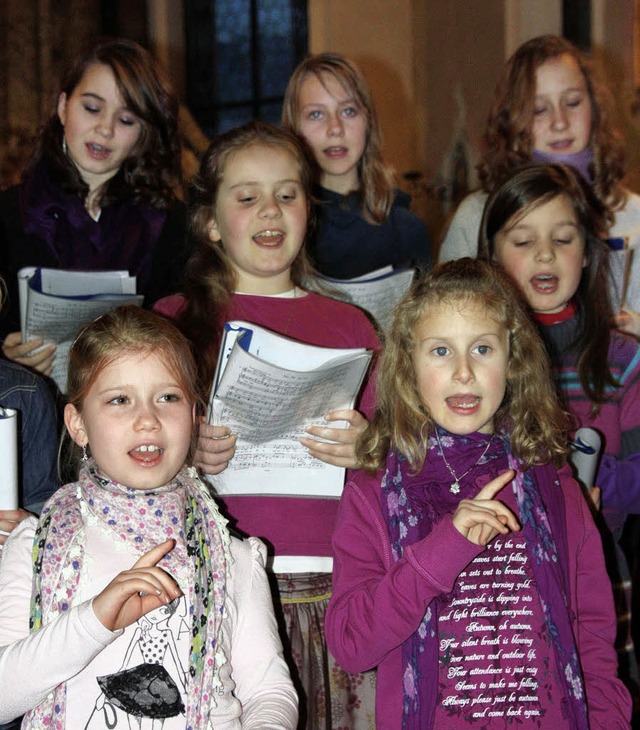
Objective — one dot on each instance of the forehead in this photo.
(463, 316)
(322, 87)
(561, 72)
(134, 367)
(258, 163)
(558, 209)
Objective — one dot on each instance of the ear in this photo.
(75, 425)
(62, 108)
(214, 233)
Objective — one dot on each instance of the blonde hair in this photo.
(375, 179)
(529, 409)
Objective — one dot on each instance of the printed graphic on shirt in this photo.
(496, 661)
(151, 684)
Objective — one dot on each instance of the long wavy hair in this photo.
(152, 172)
(210, 279)
(507, 142)
(529, 188)
(375, 179)
(123, 331)
(529, 410)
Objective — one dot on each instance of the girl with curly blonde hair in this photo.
(466, 539)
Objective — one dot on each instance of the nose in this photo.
(335, 127)
(545, 251)
(463, 372)
(146, 419)
(559, 118)
(270, 207)
(105, 126)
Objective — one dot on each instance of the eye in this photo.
(483, 349)
(128, 121)
(440, 351)
(119, 400)
(170, 398)
(575, 102)
(91, 108)
(539, 110)
(350, 111)
(246, 199)
(521, 242)
(288, 196)
(315, 114)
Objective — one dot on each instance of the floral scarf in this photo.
(412, 505)
(183, 510)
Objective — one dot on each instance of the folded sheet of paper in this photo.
(377, 293)
(9, 459)
(55, 304)
(267, 389)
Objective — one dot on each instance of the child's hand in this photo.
(480, 519)
(343, 452)
(216, 447)
(23, 353)
(133, 593)
(628, 321)
(9, 520)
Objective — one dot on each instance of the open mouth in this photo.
(269, 238)
(545, 283)
(98, 151)
(335, 152)
(147, 452)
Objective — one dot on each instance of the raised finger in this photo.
(490, 490)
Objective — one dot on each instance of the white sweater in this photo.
(257, 691)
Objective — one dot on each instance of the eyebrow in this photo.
(259, 182)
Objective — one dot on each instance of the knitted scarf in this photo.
(412, 505)
(580, 161)
(183, 510)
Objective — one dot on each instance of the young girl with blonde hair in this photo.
(467, 567)
(364, 224)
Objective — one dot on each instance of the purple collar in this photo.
(580, 161)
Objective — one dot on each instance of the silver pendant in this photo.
(455, 487)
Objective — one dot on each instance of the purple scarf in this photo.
(580, 161)
(124, 237)
(412, 505)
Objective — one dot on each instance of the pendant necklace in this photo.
(454, 488)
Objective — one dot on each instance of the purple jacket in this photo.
(378, 603)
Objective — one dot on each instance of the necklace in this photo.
(454, 488)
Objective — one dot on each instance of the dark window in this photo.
(240, 54)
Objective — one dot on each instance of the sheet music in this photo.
(58, 318)
(9, 458)
(377, 294)
(268, 406)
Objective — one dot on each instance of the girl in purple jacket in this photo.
(478, 611)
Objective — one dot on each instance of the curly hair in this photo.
(375, 179)
(522, 192)
(507, 141)
(209, 278)
(529, 410)
(152, 171)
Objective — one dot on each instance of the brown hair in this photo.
(129, 330)
(209, 276)
(527, 189)
(507, 141)
(153, 169)
(375, 178)
(529, 409)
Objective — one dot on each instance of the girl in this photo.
(542, 227)
(363, 223)
(251, 205)
(99, 191)
(551, 106)
(478, 611)
(137, 542)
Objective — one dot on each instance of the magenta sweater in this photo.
(295, 525)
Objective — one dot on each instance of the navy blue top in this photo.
(345, 245)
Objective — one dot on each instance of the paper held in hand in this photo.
(266, 390)
(54, 304)
(9, 451)
(377, 292)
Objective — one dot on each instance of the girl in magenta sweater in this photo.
(467, 568)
